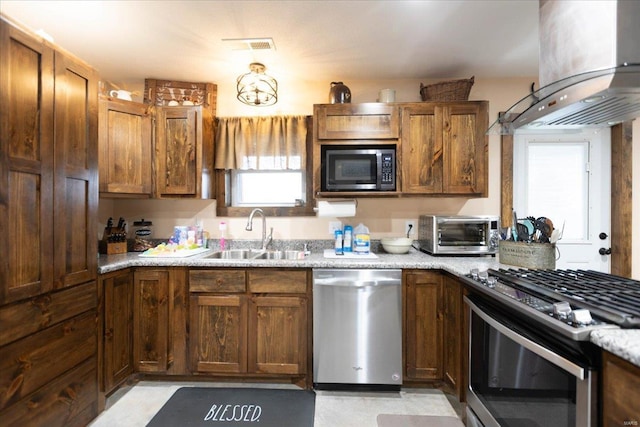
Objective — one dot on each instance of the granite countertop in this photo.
(412, 260)
(624, 343)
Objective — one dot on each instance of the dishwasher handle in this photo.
(356, 283)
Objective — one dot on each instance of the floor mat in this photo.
(197, 406)
(392, 420)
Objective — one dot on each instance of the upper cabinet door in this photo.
(444, 148)
(125, 148)
(357, 121)
(76, 171)
(184, 152)
(421, 161)
(26, 165)
(465, 148)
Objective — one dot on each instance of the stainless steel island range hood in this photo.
(589, 68)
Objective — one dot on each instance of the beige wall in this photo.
(384, 217)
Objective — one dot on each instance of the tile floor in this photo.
(134, 406)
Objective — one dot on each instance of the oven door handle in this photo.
(568, 366)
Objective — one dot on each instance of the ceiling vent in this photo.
(250, 44)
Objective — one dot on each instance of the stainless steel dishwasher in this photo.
(357, 329)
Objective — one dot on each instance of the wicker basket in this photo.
(528, 255)
(452, 90)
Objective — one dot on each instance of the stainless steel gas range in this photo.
(530, 359)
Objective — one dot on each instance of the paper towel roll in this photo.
(342, 208)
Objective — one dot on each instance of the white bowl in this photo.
(396, 245)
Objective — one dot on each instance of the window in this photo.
(264, 162)
(267, 188)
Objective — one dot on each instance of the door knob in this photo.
(603, 251)
(603, 236)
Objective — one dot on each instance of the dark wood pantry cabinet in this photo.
(48, 207)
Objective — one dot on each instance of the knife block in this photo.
(114, 241)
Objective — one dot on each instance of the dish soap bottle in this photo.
(361, 240)
(223, 232)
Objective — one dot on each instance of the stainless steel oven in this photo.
(519, 377)
(531, 363)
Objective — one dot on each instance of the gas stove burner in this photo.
(573, 302)
(613, 298)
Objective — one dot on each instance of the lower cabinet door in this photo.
(118, 329)
(218, 333)
(424, 354)
(277, 335)
(152, 346)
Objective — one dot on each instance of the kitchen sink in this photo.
(233, 254)
(277, 254)
(257, 254)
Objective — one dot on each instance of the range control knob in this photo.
(581, 316)
(561, 310)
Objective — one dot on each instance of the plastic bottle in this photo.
(223, 231)
(338, 245)
(348, 239)
(361, 240)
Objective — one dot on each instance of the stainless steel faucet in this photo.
(265, 241)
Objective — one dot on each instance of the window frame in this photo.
(222, 188)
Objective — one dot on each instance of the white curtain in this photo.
(261, 143)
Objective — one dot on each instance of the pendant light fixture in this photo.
(256, 88)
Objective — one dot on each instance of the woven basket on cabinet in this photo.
(452, 90)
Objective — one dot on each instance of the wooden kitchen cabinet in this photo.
(423, 325)
(184, 152)
(357, 121)
(48, 254)
(125, 141)
(152, 320)
(278, 321)
(118, 291)
(218, 321)
(452, 361)
(48, 168)
(444, 148)
(620, 385)
(253, 322)
(441, 147)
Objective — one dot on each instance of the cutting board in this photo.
(331, 253)
(183, 253)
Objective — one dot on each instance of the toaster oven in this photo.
(459, 235)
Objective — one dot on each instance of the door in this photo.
(152, 320)
(177, 151)
(118, 329)
(566, 178)
(277, 328)
(218, 339)
(424, 341)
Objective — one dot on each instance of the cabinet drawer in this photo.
(32, 362)
(35, 314)
(217, 281)
(358, 121)
(277, 281)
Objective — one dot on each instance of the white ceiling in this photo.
(128, 41)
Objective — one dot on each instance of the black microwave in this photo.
(358, 168)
